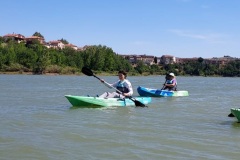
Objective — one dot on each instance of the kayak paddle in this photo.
(165, 81)
(164, 85)
(231, 115)
(88, 72)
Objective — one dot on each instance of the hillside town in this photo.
(132, 58)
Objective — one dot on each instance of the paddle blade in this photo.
(231, 115)
(137, 103)
(87, 71)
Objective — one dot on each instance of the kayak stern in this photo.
(236, 113)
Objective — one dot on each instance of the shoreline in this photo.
(99, 74)
(77, 74)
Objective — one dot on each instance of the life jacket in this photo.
(171, 82)
(121, 87)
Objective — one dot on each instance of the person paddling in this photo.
(171, 82)
(123, 85)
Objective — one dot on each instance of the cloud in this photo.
(208, 37)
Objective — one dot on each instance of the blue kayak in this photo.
(150, 92)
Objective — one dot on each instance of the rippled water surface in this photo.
(37, 121)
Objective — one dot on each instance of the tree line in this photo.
(38, 59)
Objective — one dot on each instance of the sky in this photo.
(181, 28)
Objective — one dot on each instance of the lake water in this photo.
(38, 123)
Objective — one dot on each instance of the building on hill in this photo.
(60, 45)
(31, 39)
(83, 48)
(55, 44)
(167, 59)
(220, 61)
(71, 46)
(185, 60)
(131, 58)
(147, 59)
(16, 37)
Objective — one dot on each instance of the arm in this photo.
(171, 85)
(106, 84)
(110, 85)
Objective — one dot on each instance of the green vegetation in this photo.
(38, 34)
(38, 59)
(203, 68)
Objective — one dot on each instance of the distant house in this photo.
(59, 45)
(221, 61)
(128, 57)
(16, 37)
(80, 49)
(71, 46)
(34, 38)
(55, 44)
(185, 60)
(133, 59)
(168, 59)
(83, 48)
(158, 60)
(147, 59)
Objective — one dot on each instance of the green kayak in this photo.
(97, 102)
(236, 113)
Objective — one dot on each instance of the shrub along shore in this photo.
(34, 58)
